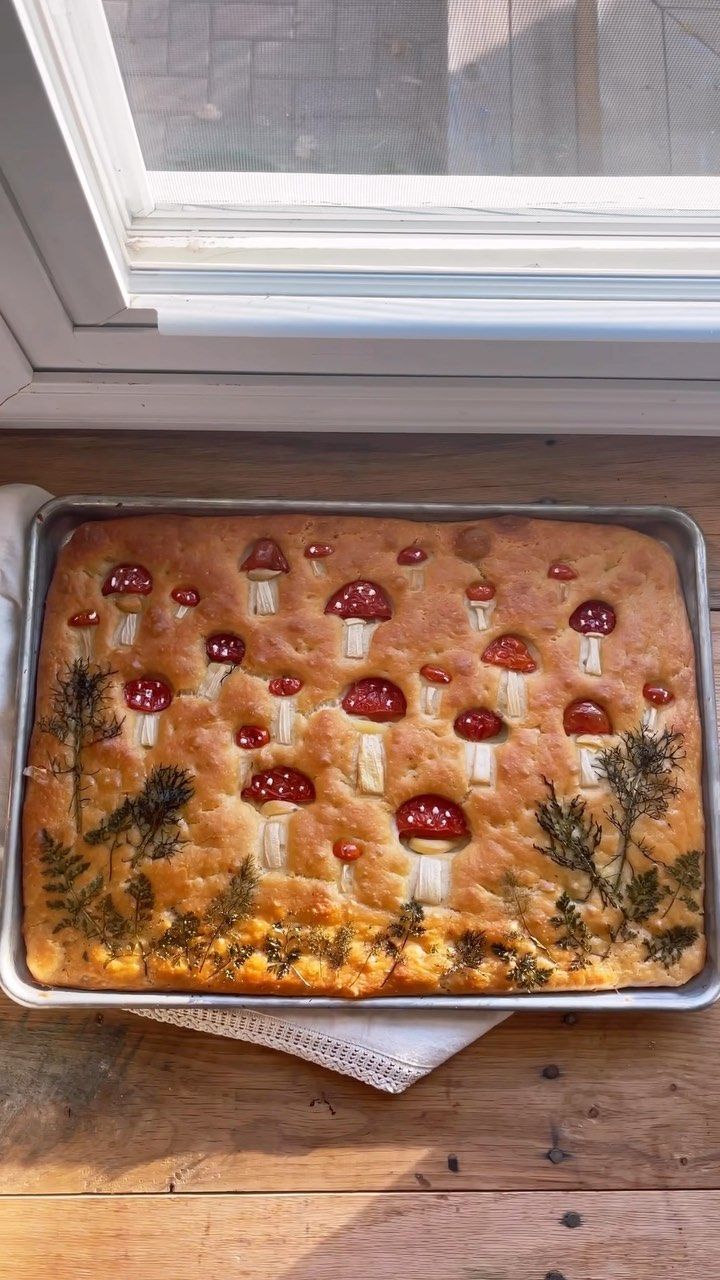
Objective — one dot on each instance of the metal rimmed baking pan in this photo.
(57, 519)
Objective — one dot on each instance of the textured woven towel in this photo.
(390, 1050)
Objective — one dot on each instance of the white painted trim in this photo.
(377, 405)
(408, 193)
(15, 371)
(448, 319)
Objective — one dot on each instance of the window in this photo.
(468, 174)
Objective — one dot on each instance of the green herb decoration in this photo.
(233, 903)
(639, 771)
(148, 822)
(181, 943)
(393, 939)
(574, 933)
(86, 907)
(669, 945)
(283, 949)
(80, 718)
(643, 895)
(467, 952)
(573, 839)
(523, 970)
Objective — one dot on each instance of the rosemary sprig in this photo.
(86, 907)
(573, 838)
(149, 822)
(522, 970)
(575, 935)
(668, 945)
(79, 719)
(639, 771)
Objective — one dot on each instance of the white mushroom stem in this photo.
(274, 834)
(480, 761)
(588, 751)
(146, 728)
(651, 719)
(210, 684)
(430, 873)
(263, 591)
(285, 721)
(318, 568)
(512, 695)
(481, 612)
(127, 628)
(181, 610)
(244, 771)
(371, 762)
(357, 635)
(590, 655)
(347, 877)
(417, 578)
(86, 641)
(430, 699)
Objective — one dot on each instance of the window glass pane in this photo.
(411, 87)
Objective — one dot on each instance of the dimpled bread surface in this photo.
(501, 889)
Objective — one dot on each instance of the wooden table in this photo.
(579, 1147)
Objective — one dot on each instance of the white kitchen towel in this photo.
(388, 1049)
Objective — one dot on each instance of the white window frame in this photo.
(79, 312)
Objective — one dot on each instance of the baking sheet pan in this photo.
(56, 521)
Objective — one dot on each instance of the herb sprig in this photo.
(80, 718)
(149, 822)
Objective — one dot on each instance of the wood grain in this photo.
(650, 1236)
(115, 1103)
(431, 467)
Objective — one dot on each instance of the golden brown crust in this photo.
(500, 883)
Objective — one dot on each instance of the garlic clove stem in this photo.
(512, 695)
(356, 638)
(213, 678)
(481, 612)
(590, 663)
(285, 721)
(586, 760)
(274, 842)
(371, 764)
(651, 719)
(417, 578)
(347, 874)
(430, 699)
(263, 596)
(181, 610)
(127, 628)
(318, 568)
(430, 880)
(86, 643)
(146, 729)
(480, 761)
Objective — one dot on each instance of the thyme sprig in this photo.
(639, 771)
(80, 718)
(149, 822)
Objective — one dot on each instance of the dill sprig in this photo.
(79, 719)
(140, 890)
(639, 771)
(523, 970)
(517, 896)
(575, 935)
(393, 939)
(233, 903)
(181, 942)
(668, 946)
(86, 907)
(148, 822)
(573, 839)
(331, 948)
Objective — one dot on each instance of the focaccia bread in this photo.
(360, 756)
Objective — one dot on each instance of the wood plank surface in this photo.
(611, 1236)
(446, 468)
